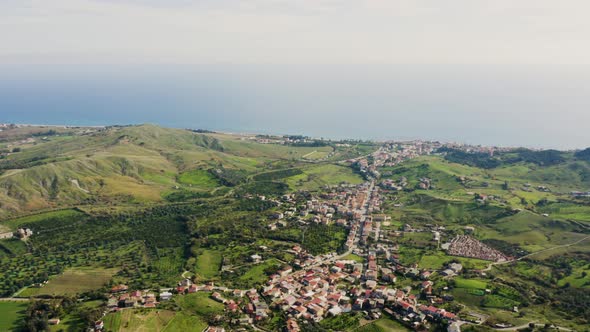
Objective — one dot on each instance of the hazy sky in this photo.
(295, 31)
(510, 72)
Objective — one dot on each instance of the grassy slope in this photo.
(317, 176)
(73, 281)
(131, 164)
(452, 204)
(11, 313)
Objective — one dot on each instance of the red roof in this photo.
(405, 305)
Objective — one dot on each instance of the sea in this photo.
(501, 105)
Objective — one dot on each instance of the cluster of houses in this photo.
(332, 289)
(21, 233)
(391, 184)
(24, 233)
(254, 309)
(425, 183)
(580, 194)
(120, 298)
(315, 287)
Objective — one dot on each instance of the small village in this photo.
(312, 288)
(361, 277)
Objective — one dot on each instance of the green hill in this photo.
(134, 164)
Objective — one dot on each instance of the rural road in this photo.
(15, 299)
(536, 252)
(515, 328)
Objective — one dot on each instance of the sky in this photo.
(546, 32)
(494, 72)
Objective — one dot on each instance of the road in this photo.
(364, 211)
(14, 299)
(535, 253)
(515, 328)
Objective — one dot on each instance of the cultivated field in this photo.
(148, 320)
(72, 281)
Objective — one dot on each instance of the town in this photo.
(311, 288)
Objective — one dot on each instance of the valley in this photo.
(135, 228)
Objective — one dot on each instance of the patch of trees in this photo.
(314, 144)
(487, 161)
(255, 204)
(574, 303)
(276, 175)
(263, 188)
(229, 177)
(583, 154)
(158, 234)
(202, 131)
(476, 159)
(50, 132)
(185, 195)
(208, 142)
(541, 158)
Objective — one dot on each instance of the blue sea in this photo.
(532, 106)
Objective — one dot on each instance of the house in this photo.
(112, 302)
(285, 271)
(217, 297)
(193, 288)
(54, 321)
(165, 296)
(256, 258)
(119, 288)
(185, 282)
(448, 272)
(456, 267)
(129, 303)
(98, 325)
(372, 284)
(214, 329)
(292, 326)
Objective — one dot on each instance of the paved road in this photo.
(349, 251)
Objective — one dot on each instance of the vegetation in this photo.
(12, 315)
(147, 206)
(72, 282)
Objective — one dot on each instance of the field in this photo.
(11, 314)
(383, 324)
(199, 304)
(255, 274)
(354, 257)
(208, 263)
(10, 247)
(184, 322)
(198, 178)
(315, 177)
(72, 281)
(470, 283)
(138, 320)
(14, 223)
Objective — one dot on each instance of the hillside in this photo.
(135, 164)
(149, 207)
